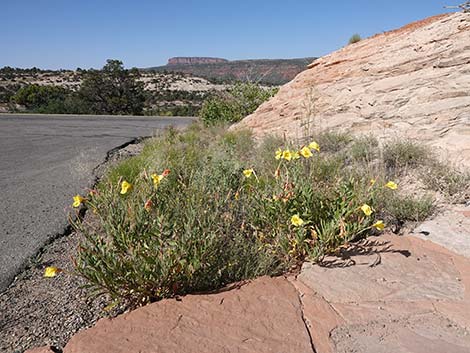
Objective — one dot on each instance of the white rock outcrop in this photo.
(413, 83)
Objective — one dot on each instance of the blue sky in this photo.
(84, 33)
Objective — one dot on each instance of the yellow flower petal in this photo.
(306, 152)
(77, 200)
(157, 179)
(391, 185)
(295, 155)
(287, 155)
(125, 187)
(296, 220)
(366, 209)
(279, 154)
(248, 172)
(314, 146)
(372, 182)
(51, 271)
(379, 225)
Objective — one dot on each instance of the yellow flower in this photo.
(372, 182)
(391, 185)
(296, 220)
(287, 155)
(51, 271)
(306, 152)
(379, 225)
(77, 200)
(295, 155)
(125, 187)
(157, 179)
(366, 209)
(278, 153)
(314, 146)
(248, 172)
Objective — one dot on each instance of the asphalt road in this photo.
(44, 161)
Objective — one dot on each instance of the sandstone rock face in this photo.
(414, 300)
(194, 60)
(263, 316)
(413, 83)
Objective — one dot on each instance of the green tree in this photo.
(35, 97)
(113, 90)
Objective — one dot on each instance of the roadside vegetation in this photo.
(111, 90)
(114, 90)
(206, 207)
(235, 104)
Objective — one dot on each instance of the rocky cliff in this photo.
(194, 60)
(264, 71)
(413, 82)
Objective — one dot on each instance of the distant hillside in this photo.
(194, 60)
(167, 93)
(264, 71)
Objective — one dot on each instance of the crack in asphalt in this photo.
(29, 263)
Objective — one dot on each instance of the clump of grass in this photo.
(364, 149)
(203, 208)
(404, 208)
(399, 154)
(447, 180)
(402, 157)
(354, 39)
(333, 141)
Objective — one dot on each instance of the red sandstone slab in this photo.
(416, 299)
(262, 316)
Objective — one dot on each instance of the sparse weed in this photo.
(400, 154)
(448, 180)
(404, 208)
(331, 141)
(354, 39)
(364, 149)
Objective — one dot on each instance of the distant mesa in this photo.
(191, 60)
(217, 70)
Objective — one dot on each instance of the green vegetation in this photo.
(206, 207)
(235, 104)
(404, 154)
(447, 180)
(41, 98)
(354, 39)
(113, 90)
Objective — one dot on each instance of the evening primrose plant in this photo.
(208, 207)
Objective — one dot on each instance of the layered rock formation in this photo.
(413, 82)
(194, 60)
(264, 71)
